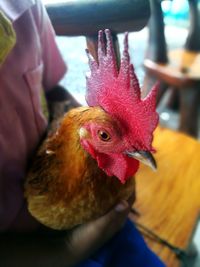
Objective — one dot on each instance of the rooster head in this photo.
(122, 137)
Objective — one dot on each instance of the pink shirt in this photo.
(34, 63)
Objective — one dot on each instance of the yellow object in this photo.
(169, 199)
(7, 37)
(44, 105)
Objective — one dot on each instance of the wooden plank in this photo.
(169, 199)
(182, 70)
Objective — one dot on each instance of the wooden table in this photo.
(169, 199)
(182, 69)
(181, 72)
(178, 70)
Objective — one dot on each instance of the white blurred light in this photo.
(54, 2)
(165, 116)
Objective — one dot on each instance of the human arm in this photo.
(64, 249)
(59, 101)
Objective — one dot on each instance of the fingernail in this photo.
(122, 206)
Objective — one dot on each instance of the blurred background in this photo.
(177, 25)
(176, 20)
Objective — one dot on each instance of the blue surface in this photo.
(126, 249)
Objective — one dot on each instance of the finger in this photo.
(131, 200)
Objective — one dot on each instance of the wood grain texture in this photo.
(169, 199)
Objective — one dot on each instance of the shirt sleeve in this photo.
(54, 65)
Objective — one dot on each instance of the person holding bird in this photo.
(30, 61)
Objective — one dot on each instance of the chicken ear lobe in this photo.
(117, 165)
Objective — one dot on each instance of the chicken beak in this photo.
(144, 157)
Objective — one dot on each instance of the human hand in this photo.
(85, 239)
(55, 248)
(59, 102)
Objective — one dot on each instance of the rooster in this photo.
(88, 165)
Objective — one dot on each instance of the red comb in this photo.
(118, 92)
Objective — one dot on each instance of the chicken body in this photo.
(65, 187)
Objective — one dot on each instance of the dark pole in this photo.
(157, 50)
(193, 39)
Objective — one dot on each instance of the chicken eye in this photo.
(104, 136)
